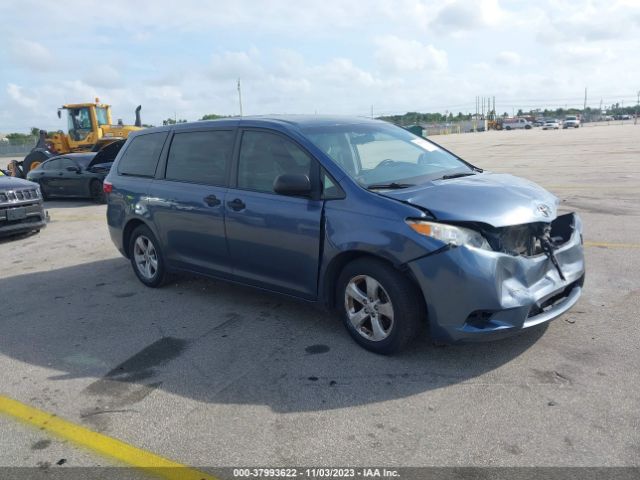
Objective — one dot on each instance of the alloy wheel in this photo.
(146, 257)
(369, 308)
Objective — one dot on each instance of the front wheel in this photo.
(146, 257)
(381, 308)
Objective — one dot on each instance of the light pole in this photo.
(635, 120)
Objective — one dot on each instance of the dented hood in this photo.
(495, 199)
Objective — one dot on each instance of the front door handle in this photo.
(212, 200)
(236, 204)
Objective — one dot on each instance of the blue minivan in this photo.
(390, 229)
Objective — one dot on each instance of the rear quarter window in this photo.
(141, 156)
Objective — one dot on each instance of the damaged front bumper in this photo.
(477, 294)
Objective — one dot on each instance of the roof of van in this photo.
(257, 120)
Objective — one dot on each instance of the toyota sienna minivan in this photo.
(393, 231)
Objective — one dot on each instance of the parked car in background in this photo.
(551, 125)
(21, 207)
(388, 228)
(77, 175)
(515, 123)
(571, 121)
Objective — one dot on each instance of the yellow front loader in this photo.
(90, 127)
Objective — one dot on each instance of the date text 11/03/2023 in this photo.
(315, 473)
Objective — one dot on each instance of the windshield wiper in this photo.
(456, 175)
(392, 185)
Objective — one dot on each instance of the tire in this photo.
(398, 322)
(96, 192)
(507, 128)
(43, 191)
(33, 159)
(149, 268)
(527, 127)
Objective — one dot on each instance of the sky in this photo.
(184, 58)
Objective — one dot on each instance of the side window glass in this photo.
(142, 154)
(66, 162)
(264, 156)
(330, 190)
(200, 157)
(52, 165)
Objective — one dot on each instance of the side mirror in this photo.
(73, 169)
(292, 184)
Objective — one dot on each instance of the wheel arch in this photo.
(340, 261)
(129, 227)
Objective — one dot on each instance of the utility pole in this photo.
(585, 101)
(240, 96)
(372, 111)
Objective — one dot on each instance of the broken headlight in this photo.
(450, 234)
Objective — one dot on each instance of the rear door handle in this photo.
(236, 204)
(212, 200)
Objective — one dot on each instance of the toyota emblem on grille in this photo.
(544, 209)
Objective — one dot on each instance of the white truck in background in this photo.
(571, 121)
(513, 123)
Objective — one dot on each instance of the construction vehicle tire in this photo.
(33, 159)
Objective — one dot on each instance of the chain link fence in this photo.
(17, 148)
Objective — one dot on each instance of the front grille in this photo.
(13, 196)
(525, 240)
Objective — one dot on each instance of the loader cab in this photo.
(84, 119)
(80, 123)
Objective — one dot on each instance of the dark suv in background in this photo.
(21, 208)
(393, 230)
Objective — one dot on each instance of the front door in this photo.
(274, 240)
(71, 182)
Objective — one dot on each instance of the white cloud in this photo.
(508, 58)
(395, 54)
(236, 64)
(463, 16)
(31, 55)
(103, 76)
(16, 94)
(328, 56)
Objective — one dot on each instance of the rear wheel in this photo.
(146, 257)
(381, 308)
(44, 192)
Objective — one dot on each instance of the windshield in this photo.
(79, 123)
(379, 154)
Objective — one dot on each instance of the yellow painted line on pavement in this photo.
(106, 446)
(611, 245)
